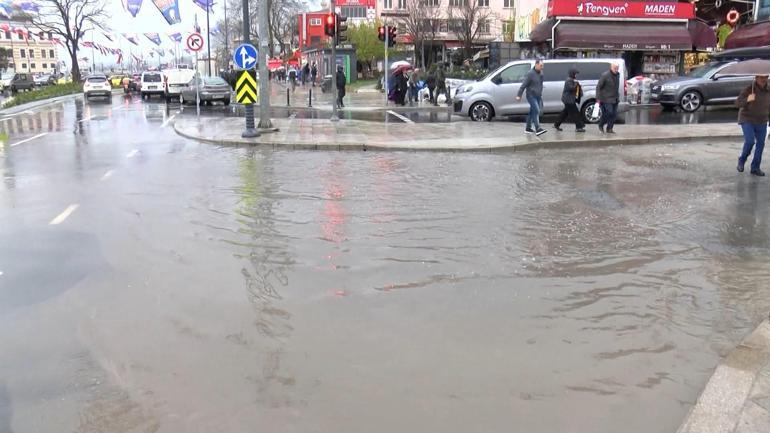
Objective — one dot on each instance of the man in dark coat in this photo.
(570, 96)
(608, 96)
(341, 81)
(440, 84)
(313, 73)
(430, 82)
(401, 88)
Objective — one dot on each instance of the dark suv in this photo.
(701, 86)
(21, 82)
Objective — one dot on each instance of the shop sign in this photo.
(529, 13)
(643, 47)
(620, 9)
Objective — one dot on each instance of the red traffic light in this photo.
(330, 26)
(381, 33)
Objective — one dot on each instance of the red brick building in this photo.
(310, 30)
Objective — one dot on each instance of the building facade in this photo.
(310, 30)
(33, 51)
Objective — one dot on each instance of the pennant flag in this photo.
(57, 41)
(161, 52)
(204, 4)
(120, 58)
(109, 38)
(26, 5)
(170, 51)
(6, 8)
(215, 31)
(153, 37)
(132, 6)
(176, 37)
(130, 38)
(169, 9)
(136, 59)
(87, 44)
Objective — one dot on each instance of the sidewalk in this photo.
(346, 134)
(737, 397)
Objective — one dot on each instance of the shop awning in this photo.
(542, 31)
(752, 35)
(622, 35)
(703, 36)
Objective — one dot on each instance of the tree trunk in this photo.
(75, 66)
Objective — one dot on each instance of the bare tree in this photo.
(282, 20)
(469, 19)
(70, 19)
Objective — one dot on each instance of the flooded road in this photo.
(201, 289)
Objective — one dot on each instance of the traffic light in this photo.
(392, 33)
(342, 28)
(381, 33)
(329, 24)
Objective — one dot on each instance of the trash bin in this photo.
(326, 84)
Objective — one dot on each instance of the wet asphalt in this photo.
(152, 283)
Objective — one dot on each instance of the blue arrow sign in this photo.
(245, 56)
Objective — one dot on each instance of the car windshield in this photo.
(152, 78)
(214, 81)
(97, 79)
(702, 71)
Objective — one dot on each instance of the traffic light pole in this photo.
(250, 130)
(264, 81)
(385, 74)
(335, 117)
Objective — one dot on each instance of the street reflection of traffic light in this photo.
(381, 33)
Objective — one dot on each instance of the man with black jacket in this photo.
(570, 96)
(341, 81)
(533, 85)
(608, 97)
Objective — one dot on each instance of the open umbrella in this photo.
(402, 69)
(399, 64)
(748, 67)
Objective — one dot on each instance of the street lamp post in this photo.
(262, 54)
(335, 117)
(250, 130)
(208, 39)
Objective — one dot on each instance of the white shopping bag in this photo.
(597, 111)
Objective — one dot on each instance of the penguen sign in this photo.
(621, 9)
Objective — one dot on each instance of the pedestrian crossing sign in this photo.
(246, 91)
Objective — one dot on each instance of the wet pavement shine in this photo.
(152, 283)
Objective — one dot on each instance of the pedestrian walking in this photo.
(401, 88)
(570, 96)
(440, 85)
(341, 81)
(414, 79)
(313, 73)
(608, 96)
(430, 82)
(754, 104)
(533, 85)
(293, 78)
(305, 73)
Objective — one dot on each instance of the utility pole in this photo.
(262, 54)
(208, 39)
(385, 71)
(227, 37)
(250, 130)
(335, 117)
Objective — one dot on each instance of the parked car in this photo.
(176, 80)
(21, 82)
(151, 83)
(97, 85)
(116, 80)
(42, 80)
(5, 78)
(701, 86)
(211, 89)
(495, 94)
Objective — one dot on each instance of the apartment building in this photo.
(33, 51)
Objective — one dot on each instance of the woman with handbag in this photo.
(571, 96)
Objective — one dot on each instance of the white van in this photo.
(176, 80)
(151, 84)
(495, 94)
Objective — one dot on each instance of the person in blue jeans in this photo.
(754, 114)
(608, 97)
(533, 85)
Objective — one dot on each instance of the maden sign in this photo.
(620, 9)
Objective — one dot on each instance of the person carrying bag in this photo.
(570, 96)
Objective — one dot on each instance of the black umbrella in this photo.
(748, 67)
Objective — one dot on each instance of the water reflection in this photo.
(748, 224)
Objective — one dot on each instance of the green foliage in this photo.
(368, 47)
(44, 93)
(466, 73)
(5, 56)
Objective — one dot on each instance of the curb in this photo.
(721, 406)
(503, 148)
(43, 102)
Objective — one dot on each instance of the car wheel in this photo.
(588, 110)
(691, 101)
(481, 112)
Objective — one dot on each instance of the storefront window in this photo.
(763, 10)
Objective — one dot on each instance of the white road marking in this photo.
(167, 120)
(108, 174)
(64, 215)
(29, 139)
(132, 153)
(1, 273)
(405, 119)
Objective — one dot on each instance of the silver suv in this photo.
(495, 94)
(701, 86)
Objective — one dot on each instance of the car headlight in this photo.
(464, 89)
(671, 86)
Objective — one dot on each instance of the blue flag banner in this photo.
(132, 6)
(204, 4)
(169, 9)
(6, 9)
(153, 37)
(26, 5)
(176, 37)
